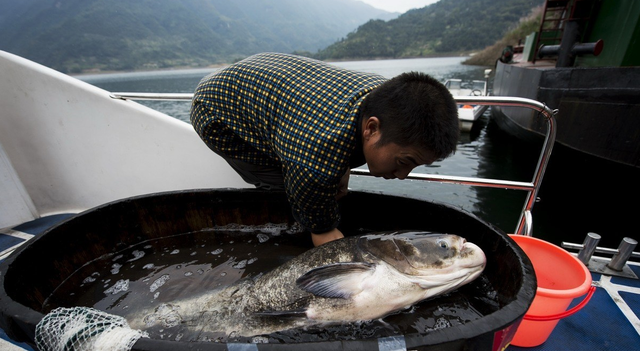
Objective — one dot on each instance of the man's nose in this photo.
(402, 173)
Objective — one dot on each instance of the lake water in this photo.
(579, 194)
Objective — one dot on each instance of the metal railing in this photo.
(525, 221)
(152, 96)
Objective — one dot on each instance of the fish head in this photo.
(439, 262)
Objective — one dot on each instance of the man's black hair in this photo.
(415, 109)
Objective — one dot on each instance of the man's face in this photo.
(392, 161)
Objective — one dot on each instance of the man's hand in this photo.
(319, 239)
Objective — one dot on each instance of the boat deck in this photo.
(608, 322)
(12, 238)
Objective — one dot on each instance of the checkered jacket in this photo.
(291, 112)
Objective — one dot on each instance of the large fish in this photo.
(352, 279)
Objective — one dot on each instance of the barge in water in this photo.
(584, 61)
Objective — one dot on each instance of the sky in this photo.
(401, 6)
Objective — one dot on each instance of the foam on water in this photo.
(159, 282)
(119, 286)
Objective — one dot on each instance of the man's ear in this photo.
(371, 126)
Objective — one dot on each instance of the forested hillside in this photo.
(448, 26)
(80, 35)
(75, 35)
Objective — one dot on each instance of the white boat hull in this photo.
(66, 146)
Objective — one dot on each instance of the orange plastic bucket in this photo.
(561, 278)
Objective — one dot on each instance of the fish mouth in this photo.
(447, 280)
(476, 255)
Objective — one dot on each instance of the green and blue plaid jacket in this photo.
(291, 112)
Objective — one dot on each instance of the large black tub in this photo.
(33, 272)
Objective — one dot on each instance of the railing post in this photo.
(525, 222)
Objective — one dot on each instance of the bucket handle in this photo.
(566, 313)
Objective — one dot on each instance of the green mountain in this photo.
(448, 26)
(75, 35)
(78, 35)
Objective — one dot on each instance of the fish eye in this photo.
(443, 244)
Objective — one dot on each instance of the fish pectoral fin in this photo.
(336, 280)
(301, 313)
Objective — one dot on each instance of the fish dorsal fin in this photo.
(335, 280)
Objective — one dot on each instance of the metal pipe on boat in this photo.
(541, 167)
(528, 228)
(594, 48)
(588, 247)
(525, 221)
(570, 35)
(602, 250)
(152, 96)
(624, 252)
(546, 148)
(487, 183)
(569, 47)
